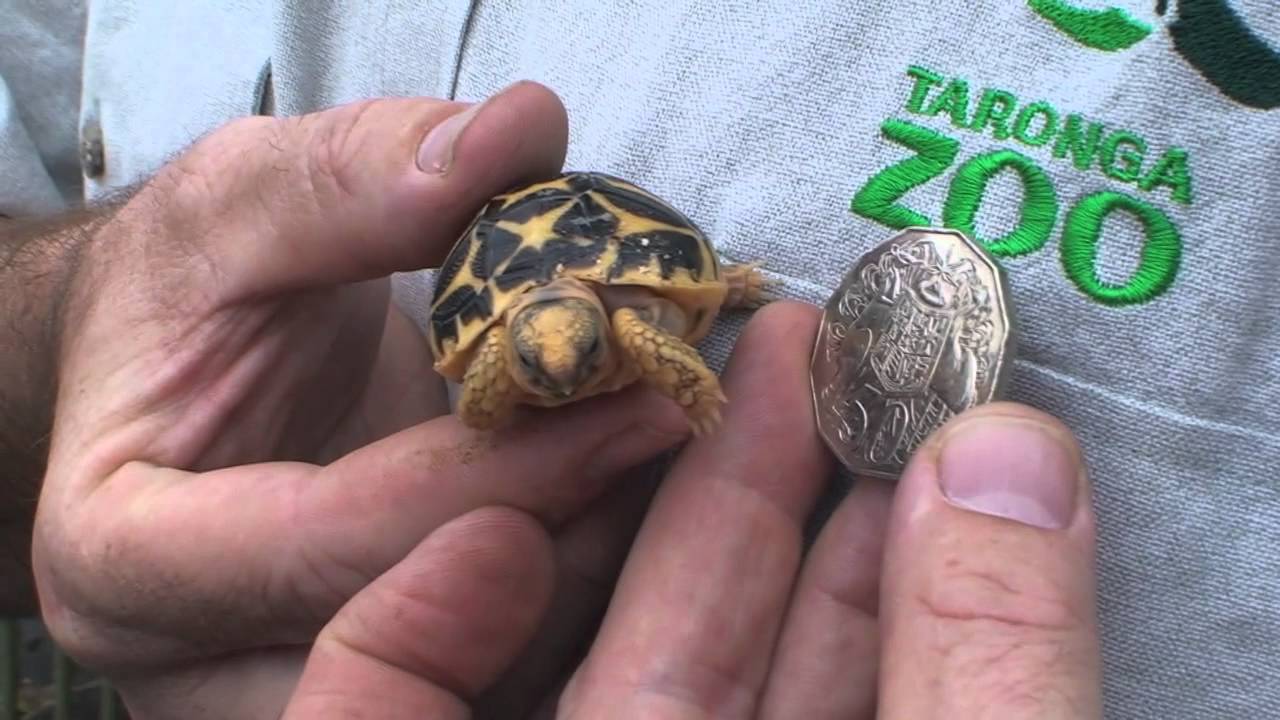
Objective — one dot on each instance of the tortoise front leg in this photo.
(749, 288)
(488, 392)
(667, 363)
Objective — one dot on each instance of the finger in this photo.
(245, 686)
(272, 544)
(432, 632)
(693, 620)
(589, 554)
(827, 658)
(345, 194)
(988, 595)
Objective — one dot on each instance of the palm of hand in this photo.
(333, 371)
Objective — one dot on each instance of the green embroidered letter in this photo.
(1161, 252)
(1171, 171)
(1024, 121)
(1039, 204)
(924, 80)
(988, 113)
(1082, 149)
(877, 197)
(1132, 169)
(955, 100)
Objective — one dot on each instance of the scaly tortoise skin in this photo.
(577, 286)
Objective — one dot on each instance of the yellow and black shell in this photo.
(587, 225)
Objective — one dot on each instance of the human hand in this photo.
(247, 432)
(967, 591)
(717, 614)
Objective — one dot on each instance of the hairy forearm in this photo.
(38, 260)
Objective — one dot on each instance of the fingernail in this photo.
(435, 154)
(1012, 468)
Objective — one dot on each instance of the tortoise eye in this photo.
(525, 360)
(595, 345)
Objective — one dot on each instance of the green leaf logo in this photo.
(1214, 39)
(1108, 30)
(1208, 34)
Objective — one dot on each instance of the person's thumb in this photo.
(987, 598)
(354, 192)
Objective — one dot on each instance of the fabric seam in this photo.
(463, 36)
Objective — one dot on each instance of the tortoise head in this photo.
(558, 345)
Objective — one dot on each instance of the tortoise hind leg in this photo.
(673, 367)
(748, 286)
(488, 392)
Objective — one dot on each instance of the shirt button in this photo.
(92, 161)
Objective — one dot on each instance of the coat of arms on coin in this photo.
(919, 330)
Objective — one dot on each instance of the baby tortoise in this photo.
(578, 286)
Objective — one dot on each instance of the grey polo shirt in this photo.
(1121, 156)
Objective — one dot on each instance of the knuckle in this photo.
(170, 229)
(192, 195)
(1017, 601)
(69, 572)
(1026, 681)
(701, 686)
(182, 193)
(1011, 634)
(1005, 638)
(204, 174)
(314, 585)
(72, 634)
(1022, 678)
(82, 639)
(336, 149)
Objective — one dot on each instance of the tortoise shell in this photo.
(586, 225)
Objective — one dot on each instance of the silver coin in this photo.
(919, 330)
